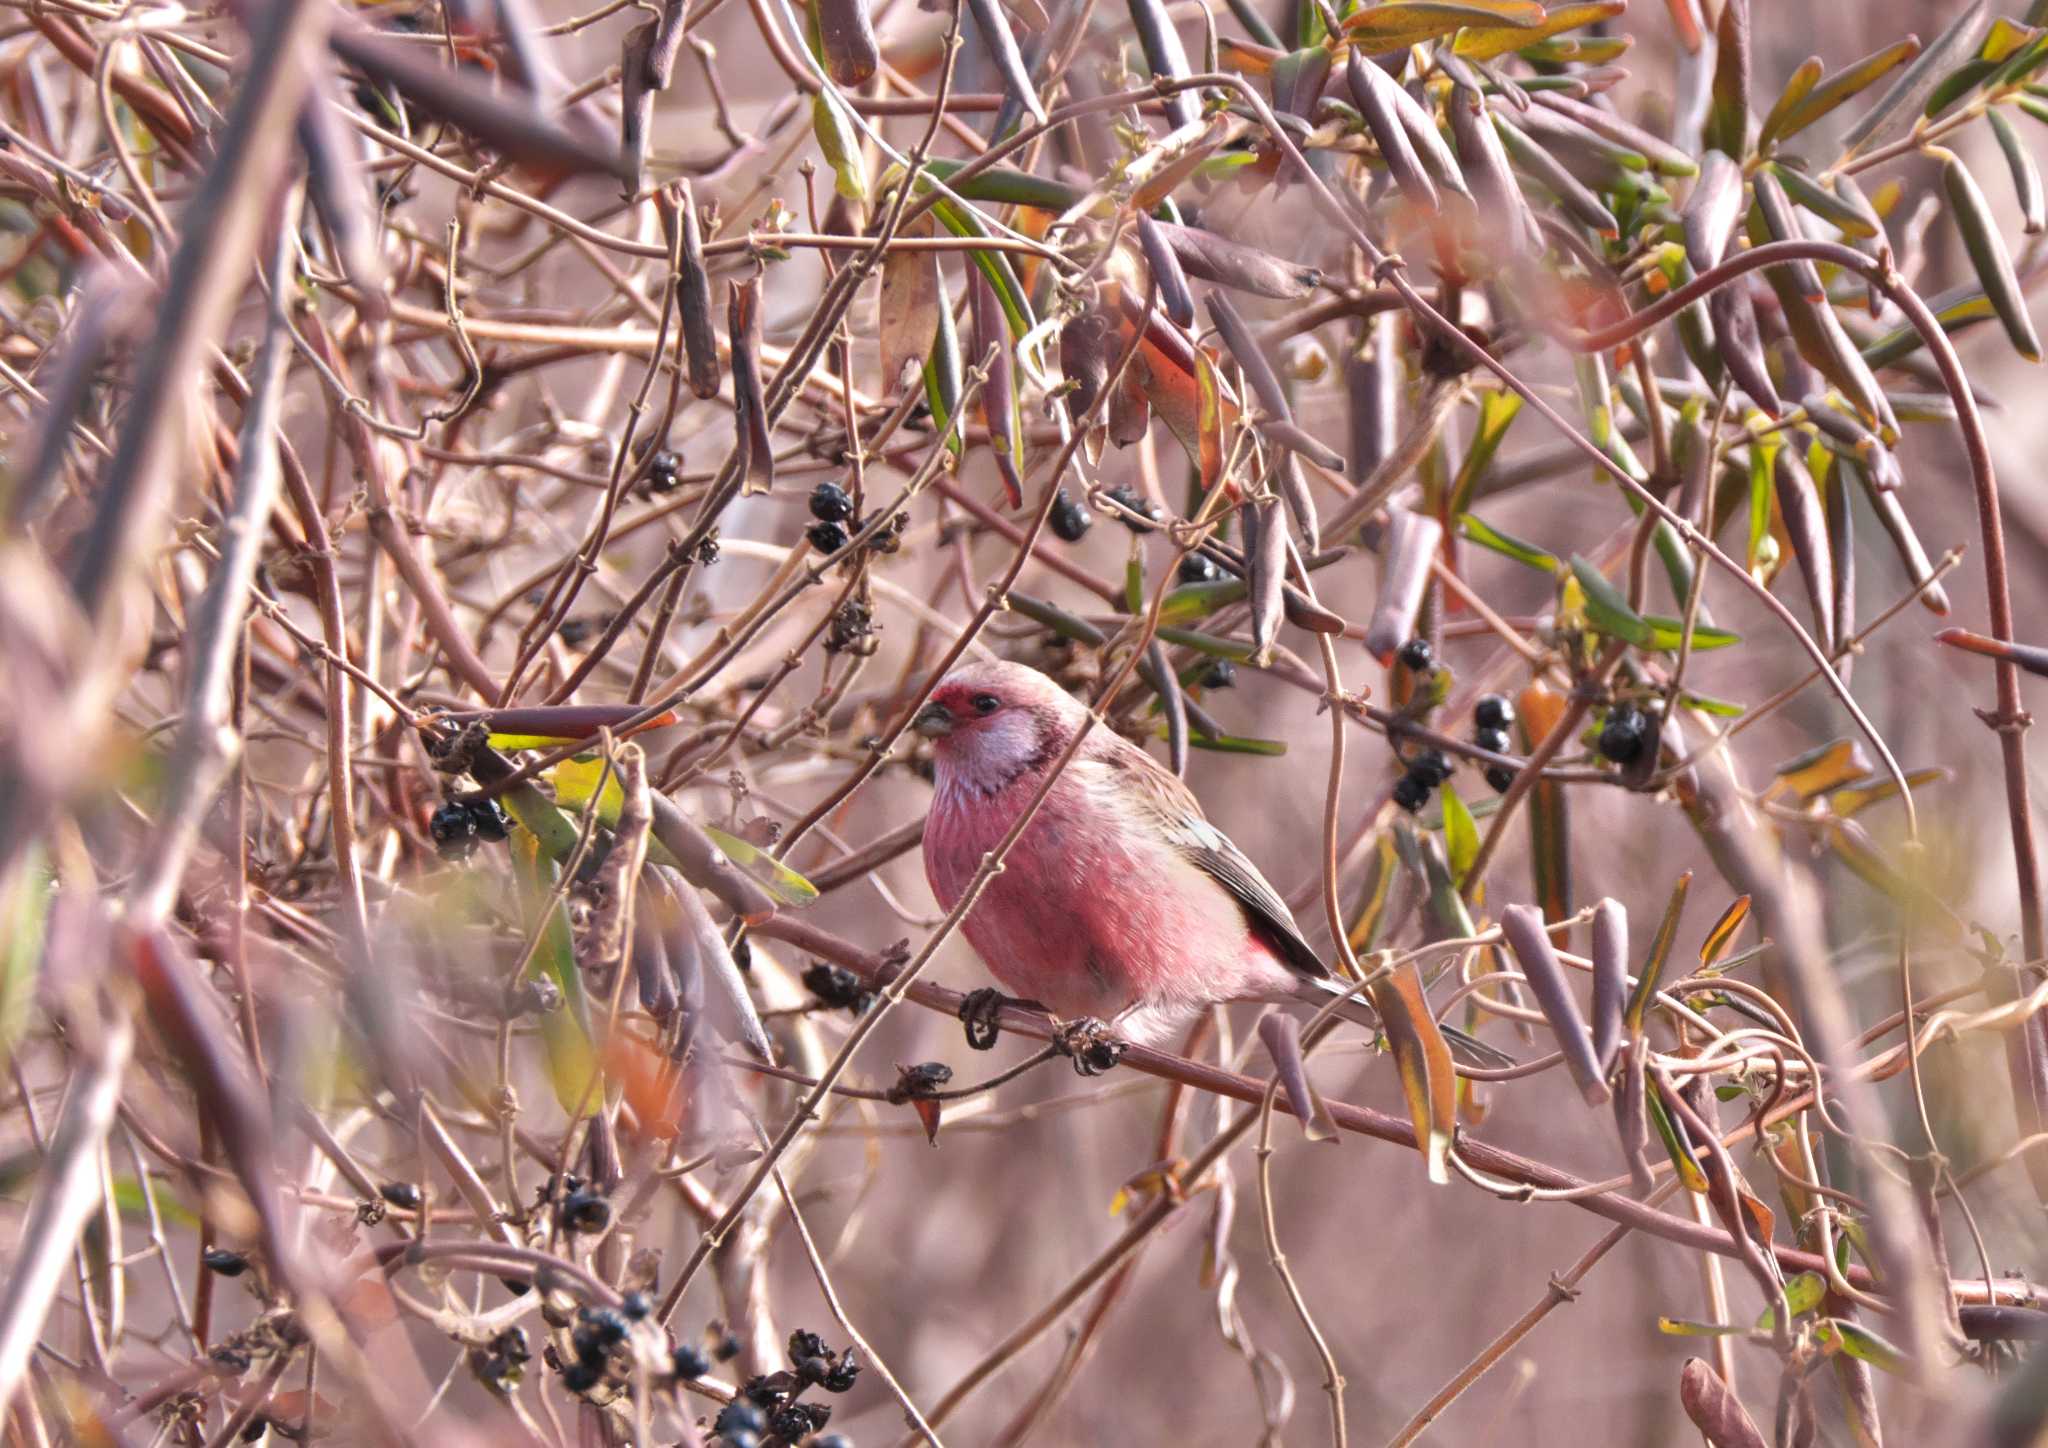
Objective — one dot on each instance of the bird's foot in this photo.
(981, 1013)
(1088, 1043)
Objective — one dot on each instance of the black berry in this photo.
(606, 1324)
(1624, 734)
(453, 828)
(403, 1195)
(586, 1212)
(489, 820)
(1126, 497)
(1220, 675)
(831, 503)
(827, 537)
(690, 1362)
(1430, 766)
(740, 1438)
(832, 1440)
(1411, 792)
(727, 1348)
(589, 1351)
(837, 987)
(1417, 656)
(581, 1377)
(636, 1307)
(259, 1425)
(1199, 568)
(1501, 778)
(511, 1345)
(1069, 520)
(664, 472)
(738, 1416)
(1492, 740)
(1493, 711)
(843, 1374)
(226, 1263)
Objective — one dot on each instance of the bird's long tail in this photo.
(1466, 1048)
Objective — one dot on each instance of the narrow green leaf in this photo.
(1398, 24)
(1844, 85)
(1849, 218)
(1803, 1294)
(1988, 255)
(1907, 92)
(1727, 126)
(1797, 89)
(1506, 544)
(1660, 951)
(2026, 176)
(1861, 1343)
(1489, 42)
(770, 873)
(1676, 1146)
(1461, 835)
(1956, 309)
(1607, 608)
(1235, 744)
(1681, 1327)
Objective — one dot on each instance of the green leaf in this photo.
(839, 143)
(1660, 951)
(1003, 185)
(1861, 1343)
(1803, 1294)
(564, 1033)
(1763, 458)
(1488, 536)
(1988, 255)
(1707, 704)
(1461, 835)
(1497, 411)
(1844, 85)
(943, 376)
(770, 873)
(1903, 99)
(1956, 310)
(1666, 634)
(1607, 608)
(1850, 219)
(1235, 744)
(1398, 24)
(1681, 1327)
(1676, 1147)
(1797, 89)
(1955, 85)
(1489, 42)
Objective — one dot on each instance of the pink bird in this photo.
(1119, 901)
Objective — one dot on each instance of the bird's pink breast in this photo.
(1089, 916)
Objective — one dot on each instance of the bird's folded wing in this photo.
(1165, 803)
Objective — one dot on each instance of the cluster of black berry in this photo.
(770, 1407)
(599, 1330)
(1427, 768)
(837, 987)
(1070, 518)
(1131, 502)
(832, 506)
(1625, 733)
(1492, 717)
(459, 826)
(502, 1361)
(664, 472)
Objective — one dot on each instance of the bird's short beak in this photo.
(933, 722)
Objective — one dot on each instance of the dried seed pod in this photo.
(1494, 191)
(1245, 349)
(998, 392)
(2026, 176)
(847, 39)
(1085, 361)
(1543, 168)
(1715, 1411)
(1372, 391)
(1904, 540)
(1430, 147)
(1842, 548)
(1740, 348)
(1165, 56)
(750, 399)
(1211, 258)
(1265, 547)
(693, 301)
(1806, 526)
(1301, 503)
(1610, 981)
(1002, 45)
(1665, 157)
(1988, 255)
(1130, 415)
(1521, 926)
(1373, 90)
(1816, 331)
(1710, 212)
(1411, 542)
(1167, 276)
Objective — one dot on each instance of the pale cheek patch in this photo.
(998, 750)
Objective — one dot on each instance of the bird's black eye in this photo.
(986, 703)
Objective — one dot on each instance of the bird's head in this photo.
(990, 722)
